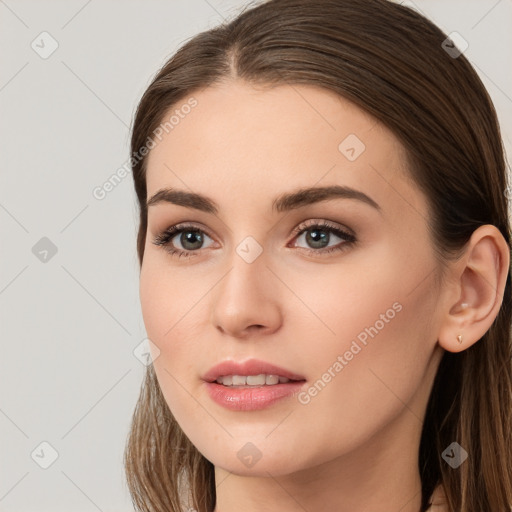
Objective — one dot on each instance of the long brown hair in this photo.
(391, 62)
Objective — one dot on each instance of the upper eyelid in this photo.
(323, 223)
(327, 224)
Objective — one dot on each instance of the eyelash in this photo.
(165, 237)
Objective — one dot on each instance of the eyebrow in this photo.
(285, 202)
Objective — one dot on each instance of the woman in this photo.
(325, 270)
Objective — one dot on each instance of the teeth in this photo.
(272, 379)
(239, 380)
(251, 380)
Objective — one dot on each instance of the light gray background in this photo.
(69, 325)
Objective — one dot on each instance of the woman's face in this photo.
(355, 316)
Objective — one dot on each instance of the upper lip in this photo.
(249, 367)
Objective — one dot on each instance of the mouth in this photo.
(237, 388)
(250, 373)
(251, 381)
(253, 392)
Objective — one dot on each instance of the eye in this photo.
(318, 235)
(190, 237)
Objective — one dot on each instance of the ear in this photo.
(476, 291)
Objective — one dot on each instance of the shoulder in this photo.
(438, 501)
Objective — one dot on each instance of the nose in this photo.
(246, 301)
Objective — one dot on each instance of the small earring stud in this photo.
(459, 338)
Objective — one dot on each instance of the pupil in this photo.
(188, 237)
(317, 236)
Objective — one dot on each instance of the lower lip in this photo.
(251, 399)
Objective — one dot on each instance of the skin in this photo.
(354, 446)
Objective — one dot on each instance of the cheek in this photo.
(378, 367)
(168, 296)
(173, 309)
(374, 337)
(339, 302)
(166, 314)
(376, 360)
(159, 306)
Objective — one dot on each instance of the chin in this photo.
(274, 467)
(244, 457)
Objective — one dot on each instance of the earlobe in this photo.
(479, 282)
(463, 305)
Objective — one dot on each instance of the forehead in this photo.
(234, 113)
(260, 141)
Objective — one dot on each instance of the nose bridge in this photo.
(246, 295)
(245, 280)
